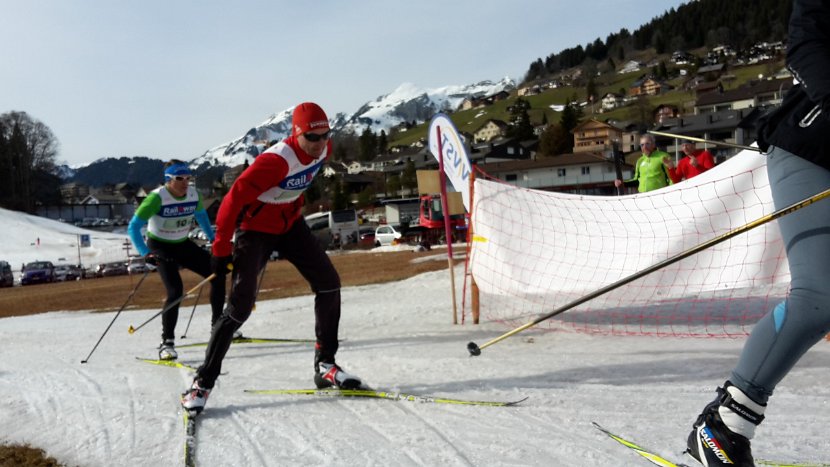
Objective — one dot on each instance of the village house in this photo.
(595, 136)
(758, 94)
(491, 129)
(587, 173)
(630, 67)
(611, 101)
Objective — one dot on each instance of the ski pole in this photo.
(192, 312)
(116, 315)
(706, 141)
(475, 350)
(178, 300)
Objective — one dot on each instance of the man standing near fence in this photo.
(694, 162)
(649, 172)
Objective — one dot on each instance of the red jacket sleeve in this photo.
(267, 171)
(707, 161)
(674, 173)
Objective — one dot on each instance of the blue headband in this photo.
(176, 169)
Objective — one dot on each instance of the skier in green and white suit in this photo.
(168, 213)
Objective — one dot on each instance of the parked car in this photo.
(6, 276)
(118, 268)
(90, 272)
(38, 272)
(67, 272)
(367, 236)
(138, 265)
(386, 235)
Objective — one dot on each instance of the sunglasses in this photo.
(314, 137)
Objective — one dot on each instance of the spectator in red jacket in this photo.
(695, 162)
(266, 200)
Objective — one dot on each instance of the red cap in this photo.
(308, 116)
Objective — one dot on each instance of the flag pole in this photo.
(447, 228)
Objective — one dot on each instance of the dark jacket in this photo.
(802, 124)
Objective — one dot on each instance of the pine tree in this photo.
(520, 125)
(383, 142)
(368, 145)
(409, 179)
(393, 185)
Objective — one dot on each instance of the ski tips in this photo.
(474, 350)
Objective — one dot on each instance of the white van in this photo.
(334, 228)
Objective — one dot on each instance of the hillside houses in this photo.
(612, 100)
(757, 94)
(481, 101)
(491, 129)
(587, 173)
(630, 67)
(648, 87)
(80, 203)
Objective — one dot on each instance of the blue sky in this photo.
(173, 78)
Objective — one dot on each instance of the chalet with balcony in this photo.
(595, 136)
(491, 129)
(648, 87)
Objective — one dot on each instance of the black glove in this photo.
(220, 265)
(153, 258)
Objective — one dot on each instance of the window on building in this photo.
(560, 172)
(510, 178)
(510, 150)
(586, 170)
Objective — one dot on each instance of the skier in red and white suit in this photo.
(266, 200)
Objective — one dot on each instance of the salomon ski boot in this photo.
(720, 435)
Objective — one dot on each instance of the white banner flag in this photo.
(456, 163)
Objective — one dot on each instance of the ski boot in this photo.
(167, 350)
(720, 435)
(195, 398)
(328, 374)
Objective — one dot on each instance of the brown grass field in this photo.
(281, 280)
(109, 293)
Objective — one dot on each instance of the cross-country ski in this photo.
(169, 363)
(252, 340)
(190, 422)
(658, 459)
(381, 394)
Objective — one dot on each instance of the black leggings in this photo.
(187, 255)
(251, 252)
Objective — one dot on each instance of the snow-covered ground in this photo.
(27, 238)
(115, 410)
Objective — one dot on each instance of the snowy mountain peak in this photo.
(407, 103)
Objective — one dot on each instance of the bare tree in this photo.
(28, 151)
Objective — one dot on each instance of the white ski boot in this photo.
(167, 350)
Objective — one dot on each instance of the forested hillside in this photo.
(739, 23)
